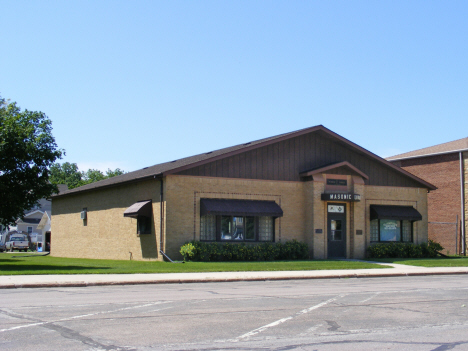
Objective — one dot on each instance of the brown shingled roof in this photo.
(162, 168)
(445, 148)
(166, 168)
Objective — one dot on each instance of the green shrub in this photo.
(212, 252)
(434, 248)
(404, 250)
(188, 251)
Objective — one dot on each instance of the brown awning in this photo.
(140, 208)
(240, 207)
(394, 212)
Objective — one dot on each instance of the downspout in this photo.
(161, 194)
(462, 193)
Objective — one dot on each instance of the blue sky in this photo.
(130, 84)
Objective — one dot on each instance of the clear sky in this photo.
(131, 84)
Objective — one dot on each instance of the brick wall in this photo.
(465, 205)
(416, 197)
(304, 211)
(444, 203)
(183, 205)
(106, 233)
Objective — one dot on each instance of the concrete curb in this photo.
(81, 283)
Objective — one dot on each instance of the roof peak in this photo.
(171, 167)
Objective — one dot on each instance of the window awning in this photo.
(240, 207)
(140, 208)
(394, 212)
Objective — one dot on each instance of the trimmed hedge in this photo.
(404, 250)
(216, 252)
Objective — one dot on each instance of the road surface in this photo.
(400, 313)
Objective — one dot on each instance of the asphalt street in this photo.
(392, 313)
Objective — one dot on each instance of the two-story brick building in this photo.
(444, 165)
(311, 185)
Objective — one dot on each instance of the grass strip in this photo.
(427, 262)
(18, 265)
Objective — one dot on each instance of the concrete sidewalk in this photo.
(80, 280)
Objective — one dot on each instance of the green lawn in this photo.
(428, 262)
(14, 264)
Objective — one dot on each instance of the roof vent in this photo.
(173, 161)
(248, 143)
(209, 153)
(145, 168)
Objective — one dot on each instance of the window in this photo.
(388, 230)
(336, 232)
(30, 229)
(236, 228)
(265, 228)
(143, 212)
(208, 228)
(143, 225)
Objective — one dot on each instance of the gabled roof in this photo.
(44, 220)
(163, 169)
(28, 220)
(445, 148)
(33, 212)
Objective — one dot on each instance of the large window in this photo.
(236, 228)
(387, 230)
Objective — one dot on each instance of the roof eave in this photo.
(258, 145)
(426, 155)
(153, 176)
(378, 158)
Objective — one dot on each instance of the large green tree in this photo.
(27, 150)
(69, 174)
(65, 173)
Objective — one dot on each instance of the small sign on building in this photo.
(336, 208)
(341, 197)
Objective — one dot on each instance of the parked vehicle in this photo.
(2, 243)
(17, 242)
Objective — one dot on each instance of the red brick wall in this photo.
(444, 203)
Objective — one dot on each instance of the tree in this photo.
(92, 175)
(110, 173)
(27, 150)
(69, 174)
(65, 173)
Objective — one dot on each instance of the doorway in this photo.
(336, 230)
(47, 241)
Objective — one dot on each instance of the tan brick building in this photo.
(311, 185)
(445, 166)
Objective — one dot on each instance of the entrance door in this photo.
(47, 241)
(336, 225)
